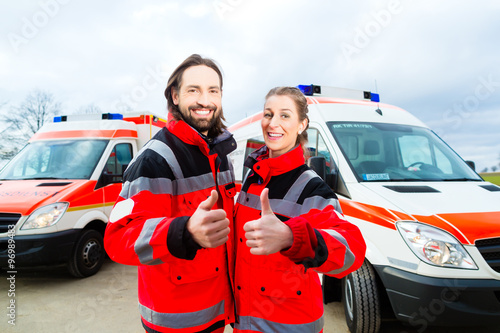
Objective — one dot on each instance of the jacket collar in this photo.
(189, 135)
(266, 167)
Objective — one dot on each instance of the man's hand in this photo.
(209, 228)
(268, 234)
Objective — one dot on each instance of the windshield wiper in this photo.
(461, 180)
(44, 178)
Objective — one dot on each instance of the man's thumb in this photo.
(210, 201)
(264, 202)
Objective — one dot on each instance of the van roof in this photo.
(343, 109)
(86, 129)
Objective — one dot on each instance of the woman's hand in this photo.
(268, 234)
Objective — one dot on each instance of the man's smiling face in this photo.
(199, 97)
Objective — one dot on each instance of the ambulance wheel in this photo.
(88, 254)
(360, 298)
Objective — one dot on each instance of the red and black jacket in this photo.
(281, 292)
(182, 287)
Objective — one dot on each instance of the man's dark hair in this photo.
(175, 82)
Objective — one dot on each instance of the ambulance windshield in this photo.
(62, 159)
(391, 152)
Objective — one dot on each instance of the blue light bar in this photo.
(57, 119)
(309, 90)
(306, 90)
(375, 97)
(112, 116)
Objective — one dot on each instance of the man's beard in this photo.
(201, 125)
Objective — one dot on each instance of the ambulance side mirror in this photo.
(318, 165)
(332, 179)
(471, 164)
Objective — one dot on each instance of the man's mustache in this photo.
(197, 106)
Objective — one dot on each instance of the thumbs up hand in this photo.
(268, 234)
(209, 228)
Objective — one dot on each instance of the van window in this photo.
(392, 152)
(58, 159)
(414, 148)
(317, 147)
(118, 161)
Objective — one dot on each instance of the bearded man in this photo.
(174, 215)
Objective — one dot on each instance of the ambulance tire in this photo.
(88, 254)
(361, 301)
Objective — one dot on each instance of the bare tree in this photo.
(90, 109)
(27, 118)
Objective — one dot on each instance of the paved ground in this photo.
(53, 301)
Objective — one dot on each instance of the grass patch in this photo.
(492, 177)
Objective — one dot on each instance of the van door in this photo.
(112, 174)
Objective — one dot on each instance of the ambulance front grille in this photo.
(7, 219)
(490, 250)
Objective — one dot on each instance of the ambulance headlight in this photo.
(45, 216)
(435, 246)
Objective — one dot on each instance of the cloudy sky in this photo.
(438, 60)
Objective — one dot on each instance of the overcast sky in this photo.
(438, 60)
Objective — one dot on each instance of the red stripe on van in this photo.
(121, 133)
(441, 224)
(247, 121)
(475, 225)
(466, 227)
(146, 119)
(373, 214)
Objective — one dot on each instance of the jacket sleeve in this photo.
(323, 239)
(144, 227)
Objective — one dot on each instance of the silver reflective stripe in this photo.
(182, 320)
(193, 184)
(164, 151)
(225, 177)
(317, 202)
(153, 185)
(297, 188)
(286, 208)
(263, 325)
(349, 256)
(167, 186)
(142, 247)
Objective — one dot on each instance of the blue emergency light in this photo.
(112, 116)
(374, 97)
(80, 117)
(311, 89)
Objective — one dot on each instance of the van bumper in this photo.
(42, 249)
(428, 301)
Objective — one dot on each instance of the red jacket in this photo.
(282, 292)
(182, 287)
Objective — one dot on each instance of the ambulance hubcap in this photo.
(349, 298)
(91, 253)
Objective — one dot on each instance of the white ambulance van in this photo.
(431, 224)
(57, 193)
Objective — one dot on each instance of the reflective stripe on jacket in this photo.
(182, 287)
(281, 292)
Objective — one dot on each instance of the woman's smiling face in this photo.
(281, 124)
